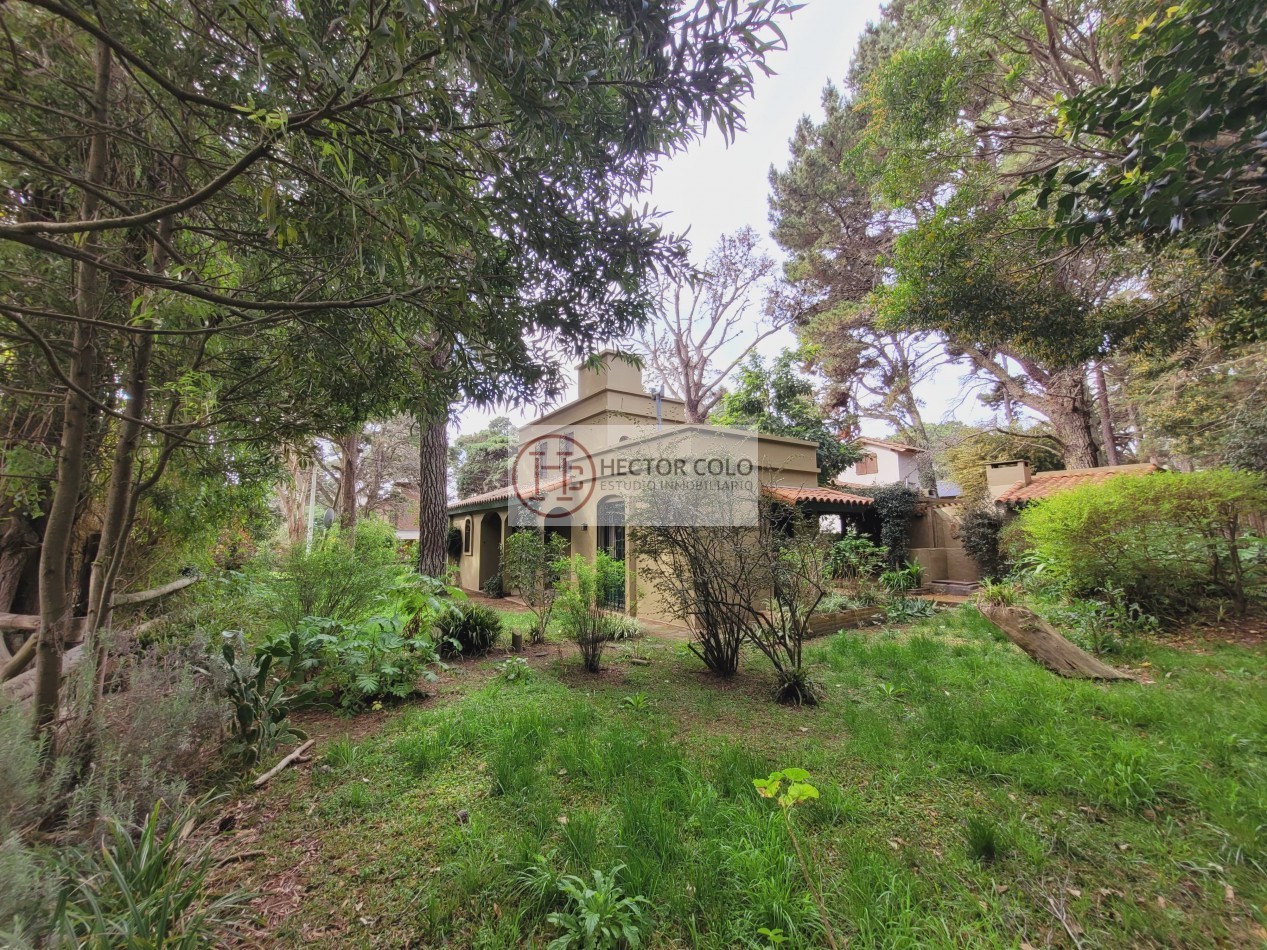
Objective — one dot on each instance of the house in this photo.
(619, 417)
(1011, 484)
(883, 463)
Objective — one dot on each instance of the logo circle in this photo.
(574, 468)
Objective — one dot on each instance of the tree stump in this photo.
(1040, 640)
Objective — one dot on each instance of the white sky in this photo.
(713, 189)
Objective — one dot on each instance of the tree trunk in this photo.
(18, 541)
(1065, 405)
(345, 503)
(433, 496)
(1106, 417)
(1040, 640)
(55, 600)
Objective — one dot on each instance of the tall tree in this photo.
(704, 328)
(776, 399)
(281, 204)
(481, 460)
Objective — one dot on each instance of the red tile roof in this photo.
(818, 495)
(1042, 484)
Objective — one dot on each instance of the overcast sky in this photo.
(714, 189)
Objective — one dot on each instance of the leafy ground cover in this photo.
(966, 797)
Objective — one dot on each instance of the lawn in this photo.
(968, 797)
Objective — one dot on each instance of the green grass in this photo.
(965, 792)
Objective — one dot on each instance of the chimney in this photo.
(615, 374)
(1000, 476)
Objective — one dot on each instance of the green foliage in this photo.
(581, 605)
(979, 533)
(798, 790)
(515, 670)
(1106, 625)
(481, 460)
(339, 581)
(470, 630)
(855, 556)
(1167, 541)
(146, 891)
(894, 505)
(376, 660)
(598, 915)
(260, 707)
(621, 626)
(998, 593)
(907, 609)
(986, 839)
(453, 544)
(1175, 130)
(777, 400)
(532, 564)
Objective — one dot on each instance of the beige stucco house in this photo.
(615, 397)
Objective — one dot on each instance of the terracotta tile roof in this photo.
(818, 495)
(1042, 484)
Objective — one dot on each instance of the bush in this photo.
(343, 582)
(145, 893)
(1167, 542)
(375, 660)
(894, 505)
(855, 557)
(580, 606)
(470, 630)
(979, 532)
(598, 916)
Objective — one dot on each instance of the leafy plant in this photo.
(900, 580)
(341, 581)
(470, 629)
(374, 660)
(145, 892)
(260, 706)
(979, 532)
(598, 914)
(493, 587)
(998, 593)
(855, 556)
(906, 609)
(622, 627)
(790, 788)
(580, 606)
(894, 505)
(637, 702)
(515, 670)
(533, 563)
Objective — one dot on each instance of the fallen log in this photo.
(31, 622)
(1040, 640)
(263, 779)
(21, 687)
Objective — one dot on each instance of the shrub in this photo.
(1168, 541)
(493, 587)
(581, 612)
(622, 627)
(470, 630)
(374, 660)
(453, 543)
(341, 581)
(145, 892)
(855, 556)
(260, 707)
(906, 609)
(532, 563)
(979, 532)
(894, 505)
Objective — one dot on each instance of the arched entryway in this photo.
(559, 522)
(490, 547)
(611, 540)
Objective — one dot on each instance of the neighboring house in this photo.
(403, 513)
(1012, 484)
(614, 396)
(883, 463)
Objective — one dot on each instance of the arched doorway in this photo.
(490, 547)
(611, 539)
(559, 522)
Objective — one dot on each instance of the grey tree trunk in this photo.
(56, 602)
(1107, 434)
(345, 504)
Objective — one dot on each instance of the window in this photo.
(466, 536)
(867, 465)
